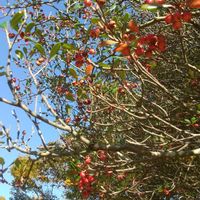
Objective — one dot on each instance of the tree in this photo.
(18, 194)
(120, 81)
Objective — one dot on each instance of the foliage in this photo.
(18, 194)
(120, 81)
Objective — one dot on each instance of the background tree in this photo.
(120, 83)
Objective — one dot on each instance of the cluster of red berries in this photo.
(13, 81)
(94, 33)
(85, 183)
(61, 90)
(102, 155)
(177, 18)
(88, 3)
(149, 43)
(80, 58)
(129, 85)
(21, 34)
(86, 180)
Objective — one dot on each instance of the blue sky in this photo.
(9, 121)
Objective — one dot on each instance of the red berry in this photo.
(87, 102)
(87, 160)
(85, 194)
(166, 191)
(91, 51)
(177, 16)
(150, 1)
(22, 35)
(17, 87)
(161, 43)
(87, 3)
(186, 16)
(101, 2)
(102, 157)
(85, 180)
(78, 57)
(134, 85)
(91, 179)
(13, 80)
(139, 51)
(120, 177)
(79, 63)
(169, 19)
(196, 125)
(148, 54)
(11, 35)
(67, 120)
(177, 25)
(82, 174)
(77, 119)
(94, 33)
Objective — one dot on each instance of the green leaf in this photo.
(73, 73)
(187, 121)
(55, 49)
(198, 106)
(153, 64)
(79, 92)
(112, 7)
(40, 48)
(68, 109)
(95, 20)
(17, 162)
(193, 120)
(114, 89)
(3, 25)
(16, 20)
(126, 17)
(29, 27)
(68, 46)
(19, 54)
(25, 50)
(151, 8)
(70, 96)
(122, 74)
(2, 73)
(82, 94)
(104, 66)
(38, 32)
(2, 162)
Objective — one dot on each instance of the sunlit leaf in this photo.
(19, 54)
(73, 73)
(3, 25)
(40, 48)
(151, 8)
(2, 162)
(55, 50)
(29, 27)
(104, 66)
(16, 20)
